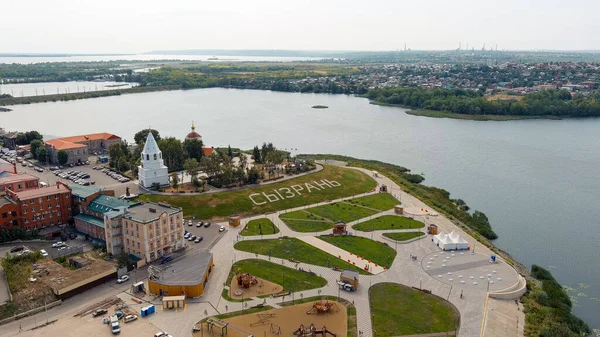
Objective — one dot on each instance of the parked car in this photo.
(222, 229)
(190, 223)
(192, 238)
(58, 244)
(44, 252)
(200, 238)
(123, 279)
(207, 224)
(200, 224)
(130, 318)
(99, 312)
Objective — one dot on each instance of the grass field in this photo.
(288, 278)
(301, 221)
(403, 236)
(262, 226)
(388, 222)
(217, 206)
(380, 201)
(377, 252)
(291, 248)
(301, 215)
(341, 211)
(400, 310)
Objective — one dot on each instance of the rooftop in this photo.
(350, 274)
(83, 191)
(90, 219)
(106, 203)
(86, 138)
(187, 271)
(15, 178)
(42, 192)
(149, 211)
(60, 144)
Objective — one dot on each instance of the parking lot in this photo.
(210, 234)
(100, 179)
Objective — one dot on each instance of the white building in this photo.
(152, 168)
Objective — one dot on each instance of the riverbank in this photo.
(446, 114)
(549, 306)
(82, 95)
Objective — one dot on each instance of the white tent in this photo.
(451, 241)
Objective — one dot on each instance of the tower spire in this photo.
(193, 126)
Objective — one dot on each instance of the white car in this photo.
(123, 279)
(222, 229)
(63, 248)
(58, 244)
(130, 318)
(44, 252)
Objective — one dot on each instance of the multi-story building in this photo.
(92, 204)
(80, 147)
(147, 231)
(18, 182)
(40, 209)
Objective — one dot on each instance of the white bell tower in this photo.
(152, 168)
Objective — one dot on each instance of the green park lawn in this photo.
(217, 206)
(377, 252)
(341, 211)
(388, 222)
(262, 226)
(403, 236)
(292, 248)
(301, 221)
(380, 201)
(286, 277)
(400, 310)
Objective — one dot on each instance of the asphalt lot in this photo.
(101, 179)
(210, 234)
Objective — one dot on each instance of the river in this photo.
(537, 180)
(150, 57)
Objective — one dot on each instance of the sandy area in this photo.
(288, 319)
(263, 287)
(89, 326)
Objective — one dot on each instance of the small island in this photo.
(320, 107)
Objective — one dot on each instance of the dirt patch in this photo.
(261, 288)
(57, 276)
(287, 319)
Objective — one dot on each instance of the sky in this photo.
(133, 26)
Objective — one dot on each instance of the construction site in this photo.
(315, 318)
(244, 285)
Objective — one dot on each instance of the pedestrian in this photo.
(20, 328)
(461, 294)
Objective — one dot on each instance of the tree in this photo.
(175, 180)
(35, 146)
(26, 137)
(141, 136)
(172, 152)
(123, 260)
(193, 148)
(115, 152)
(191, 167)
(253, 176)
(42, 153)
(256, 155)
(229, 152)
(62, 156)
(210, 165)
(243, 161)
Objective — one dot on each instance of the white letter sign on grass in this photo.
(288, 192)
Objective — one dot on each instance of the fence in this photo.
(30, 312)
(66, 252)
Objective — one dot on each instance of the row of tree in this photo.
(543, 103)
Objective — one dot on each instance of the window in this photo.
(24, 210)
(57, 204)
(147, 157)
(127, 241)
(164, 221)
(173, 238)
(152, 256)
(33, 210)
(142, 156)
(31, 202)
(24, 203)
(26, 220)
(49, 206)
(155, 156)
(5, 215)
(19, 186)
(138, 245)
(48, 198)
(165, 241)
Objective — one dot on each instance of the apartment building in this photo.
(79, 148)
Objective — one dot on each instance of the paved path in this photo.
(342, 254)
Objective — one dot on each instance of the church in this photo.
(193, 135)
(152, 168)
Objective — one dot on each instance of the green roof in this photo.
(90, 219)
(82, 191)
(106, 203)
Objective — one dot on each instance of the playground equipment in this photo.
(323, 307)
(275, 329)
(213, 322)
(263, 319)
(339, 228)
(311, 331)
(246, 280)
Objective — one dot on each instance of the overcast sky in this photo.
(126, 26)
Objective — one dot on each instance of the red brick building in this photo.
(37, 209)
(18, 182)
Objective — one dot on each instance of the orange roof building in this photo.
(80, 147)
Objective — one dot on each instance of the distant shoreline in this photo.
(446, 114)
